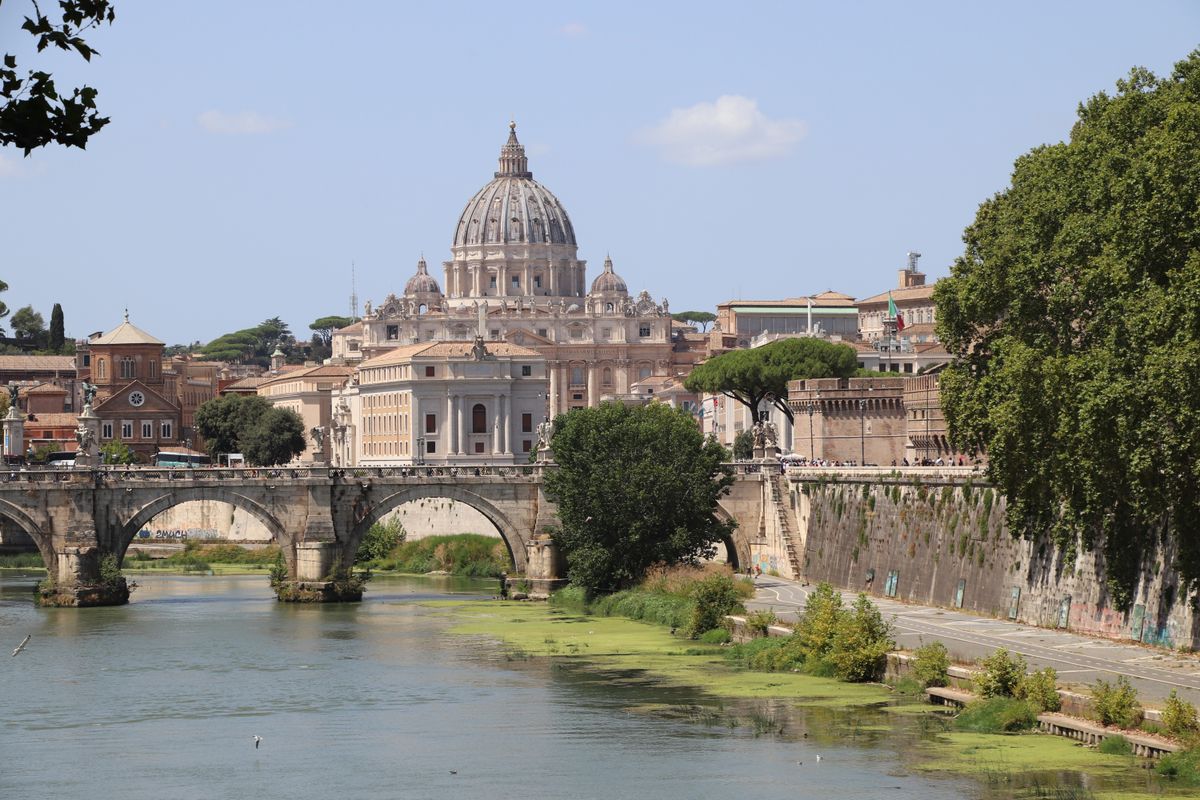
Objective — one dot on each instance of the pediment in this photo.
(119, 401)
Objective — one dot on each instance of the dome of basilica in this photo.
(514, 208)
(609, 282)
(422, 282)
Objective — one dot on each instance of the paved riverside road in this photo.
(1079, 660)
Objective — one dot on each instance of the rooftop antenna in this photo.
(913, 256)
(353, 294)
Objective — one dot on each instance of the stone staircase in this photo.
(787, 527)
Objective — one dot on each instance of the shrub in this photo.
(819, 624)
(468, 554)
(931, 665)
(279, 571)
(715, 636)
(1183, 766)
(714, 598)
(572, 598)
(1041, 690)
(996, 715)
(861, 642)
(1178, 716)
(380, 540)
(1000, 675)
(1116, 703)
(1115, 746)
(757, 622)
(110, 571)
(662, 609)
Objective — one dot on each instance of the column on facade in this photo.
(505, 405)
(593, 396)
(551, 277)
(555, 388)
(496, 426)
(459, 424)
(451, 428)
(502, 279)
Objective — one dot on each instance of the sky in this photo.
(717, 151)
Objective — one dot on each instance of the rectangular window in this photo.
(492, 282)
(516, 282)
(908, 367)
(537, 281)
(527, 423)
(431, 423)
(147, 430)
(494, 333)
(166, 430)
(526, 370)
(353, 346)
(576, 333)
(393, 332)
(430, 447)
(542, 333)
(606, 333)
(87, 359)
(430, 372)
(526, 446)
(106, 430)
(577, 376)
(479, 447)
(644, 331)
(126, 429)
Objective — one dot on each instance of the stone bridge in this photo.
(317, 515)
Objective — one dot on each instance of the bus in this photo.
(63, 459)
(173, 458)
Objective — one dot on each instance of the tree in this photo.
(28, 324)
(223, 420)
(276, 438)
(702, 318)
(4, 310)
(635, 487)
(253, 345)
(57, 333)
(743, 446)
(116, 452)
(1073, 316)
(34, 113)
(762, 373)
(325, 326)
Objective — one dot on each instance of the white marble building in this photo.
(514, 256)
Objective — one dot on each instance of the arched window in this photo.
(100, 368)
(478, 418)
(607, 379)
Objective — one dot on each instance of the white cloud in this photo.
(241, 122)
(573, 29)
(723, 132)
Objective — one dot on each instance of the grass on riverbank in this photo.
(465, 554)
(22, 561)
(197, 557)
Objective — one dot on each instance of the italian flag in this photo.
(894, 312)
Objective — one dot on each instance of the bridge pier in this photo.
(81, 577)
(318, 576)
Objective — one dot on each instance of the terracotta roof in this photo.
(45, 388)
(826, 299)
(901, 295)
(459, 349)
(918, 329)
(354, 327)
(319, 371)
(54, 420)
(251, 382)
(125, 333)
(37, 363)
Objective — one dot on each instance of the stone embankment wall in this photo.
(943, 541)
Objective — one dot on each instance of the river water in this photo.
(161, 699)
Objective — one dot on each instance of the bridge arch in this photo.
(510, 534)
(17, 515)
(175, 497)
(737, 548)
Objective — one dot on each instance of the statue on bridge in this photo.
(14, 391)
(89, 393)
(83, 435)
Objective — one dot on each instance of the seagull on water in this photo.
(24, 642)
(257, 741)
(818, 759)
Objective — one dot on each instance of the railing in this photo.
(103, 476)
(427, 471)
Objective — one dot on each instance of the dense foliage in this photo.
(254, 345)
(1075, 316)
(634, 487)
(252, 426)
(761, 374)
(701, 318)
(1116, 703)
(379, 541)
(33, 112)
(467, 554)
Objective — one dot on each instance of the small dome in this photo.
(609, 282)
(422, 282)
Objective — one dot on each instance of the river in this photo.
(162, 698)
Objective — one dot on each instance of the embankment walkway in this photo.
(1079, 660)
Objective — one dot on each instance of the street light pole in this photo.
(812, 449)
(862, 432)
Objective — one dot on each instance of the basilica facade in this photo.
(515, 277)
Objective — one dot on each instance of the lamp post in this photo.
(811, 408)
(862, 432)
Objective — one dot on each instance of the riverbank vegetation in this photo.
(201, 557)
(465, 554)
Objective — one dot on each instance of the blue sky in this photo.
(716, 150)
